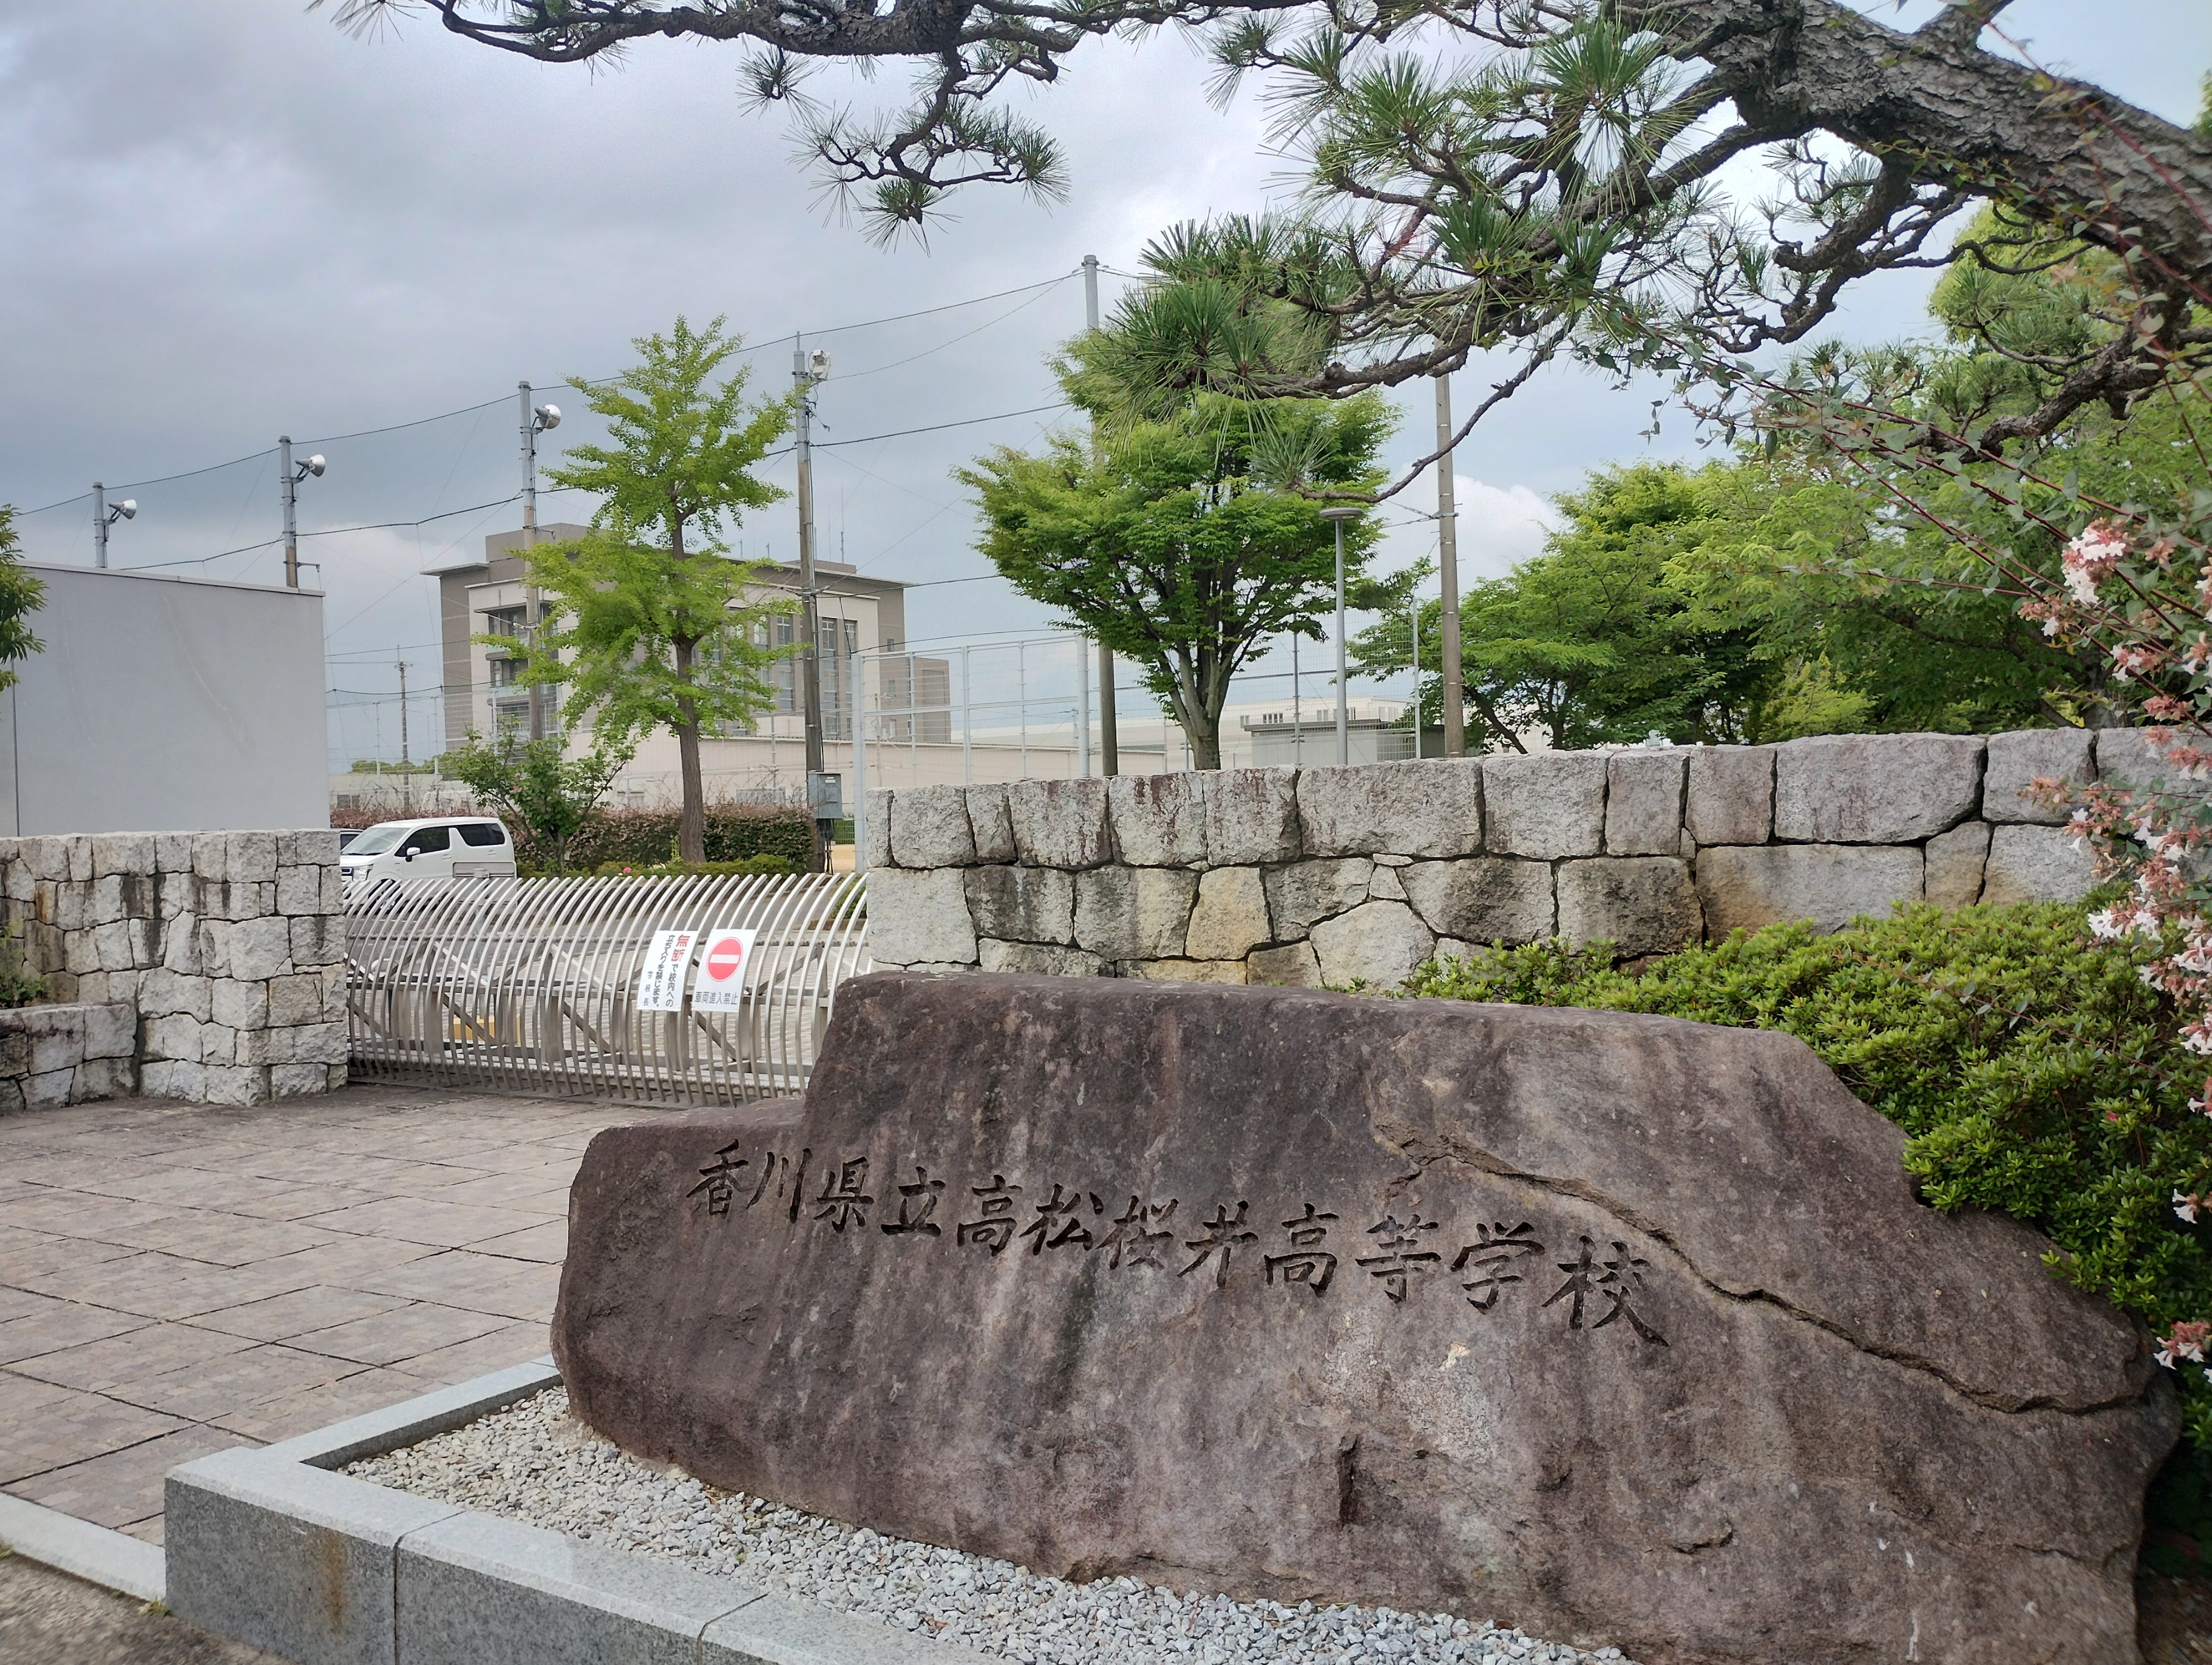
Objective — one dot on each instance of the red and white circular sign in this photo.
(720, 984)
(726, 957)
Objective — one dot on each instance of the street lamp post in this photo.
(290, 477)
(536, 420)
(1339, 514)
(104, 515)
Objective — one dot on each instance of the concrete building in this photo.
(163, 704)
(858, 614)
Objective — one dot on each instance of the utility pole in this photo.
(1337, 516)
(1109, 740)
(529, 600)
(1448, 573)
(291, 512)
(406, 774)
(807, 370)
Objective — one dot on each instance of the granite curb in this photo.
(114, 1560)
(270, 1546)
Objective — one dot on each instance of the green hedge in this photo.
(643, 838)
(2029, 1065)
(750, 865)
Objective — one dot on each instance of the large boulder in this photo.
(1627, 1330)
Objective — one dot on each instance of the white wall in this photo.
(166, 705)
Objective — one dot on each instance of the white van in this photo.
(434, 846)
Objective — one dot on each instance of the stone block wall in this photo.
(1328, 875)
(67, 1055)
(228, 948)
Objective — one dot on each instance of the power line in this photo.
(900, 433)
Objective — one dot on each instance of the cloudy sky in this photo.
(226, 220)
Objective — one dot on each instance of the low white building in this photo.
(165, 704)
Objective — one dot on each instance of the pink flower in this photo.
(2090, 559)
(2187, 1341)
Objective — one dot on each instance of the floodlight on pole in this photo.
(1340, 513)
(104, 515)
(288, 476)
(809, 371)
(536, 420)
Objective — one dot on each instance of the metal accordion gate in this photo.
(531, 984)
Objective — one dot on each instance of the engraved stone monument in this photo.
(1623, 1329)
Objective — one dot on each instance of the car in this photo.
(429, 846)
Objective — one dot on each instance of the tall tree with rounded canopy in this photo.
(650, 623)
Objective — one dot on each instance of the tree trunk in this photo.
(691, 833)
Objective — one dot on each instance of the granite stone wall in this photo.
(229, 949)
(67, 1055)
(1323, 876)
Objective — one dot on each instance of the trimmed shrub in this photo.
(750, 865)
(646, 838)
(2029, 1065)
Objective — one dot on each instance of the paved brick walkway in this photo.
(176, 1279)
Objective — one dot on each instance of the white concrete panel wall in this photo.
(166, 705)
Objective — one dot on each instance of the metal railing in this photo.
(531, 984)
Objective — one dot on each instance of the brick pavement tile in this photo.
(414, 1219)
(233, 1240)
(168, 1286)
(62, 1433)
(528, 1291)
(305, 1410)
(71, 1325)
(80, 1215)
(21, 1302)
(548, 1243)
(207, 1391)
(147, 1530)
(348, 1262)
(511, 1344)
(30, 1253)
(106, 1365)
(282, 1316)
(451, 1277)
(121, 1487)
(530, 1190)
(19, 1396)
(396, 1337)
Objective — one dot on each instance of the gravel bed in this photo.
(533, 1461)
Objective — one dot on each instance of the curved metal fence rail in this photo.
(530, 985)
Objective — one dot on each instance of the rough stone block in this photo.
(1189, 971)
(333, 890)
(1428, 807)
(877, 852)
(1159, 820)
(111, 1031)
(298, 890)
(162, 992)
(1641, 904)
(1059, 823)
(1547, 804)
(1377, 943)
(1305, 891)
(1230, 918)
(184, 947)
(929, 828)
(12, 1098)
(917, 917)
(1022, 903)
(173, 851)
(80, 952)
(1044, 959)
(287, 1557)
(1953, 865)
(239, 1004)
(247, 858)
(2038, 864)
(992, 824)
(102, 901)
(160, 1077)
(264, 1046)
(2014, 760)
(235, 1083)
(1643, 792)
(1486, 899)
(1387, 885)
(308, 847)
(219, 1045)
(1730, 796)
(1133, 912)
(314, 942)
(1874, 788)
(50, 1089)
(122, 852)
(1295, 967)
(306, 997)
(1831, 884)
(2126, 758)
(101, 1078)
(1251, 816)
(173, 1038)
(255, 950)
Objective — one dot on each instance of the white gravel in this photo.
(535, 1463)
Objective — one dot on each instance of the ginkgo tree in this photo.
(650, 623)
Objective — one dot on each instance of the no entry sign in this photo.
(721, 980)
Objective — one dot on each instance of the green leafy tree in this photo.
(650, 623)
(538, 786)
(1185, 540)
(22, 594)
